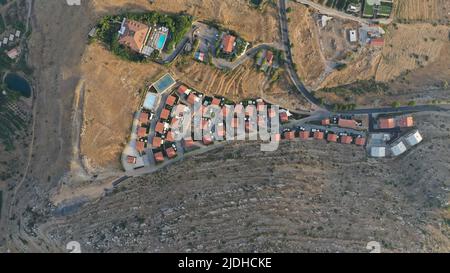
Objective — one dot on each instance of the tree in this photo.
(396, 104)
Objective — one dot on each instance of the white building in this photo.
(414, 138)
(352, 36)
(398, 149)
(378, 151)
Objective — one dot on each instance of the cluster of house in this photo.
(368, 35)
(14, 52)
(327, 133)
(398, 145)
(141, 38)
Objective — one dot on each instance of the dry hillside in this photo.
(423, 10)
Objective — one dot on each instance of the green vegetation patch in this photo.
(109, 26)
(368, 9)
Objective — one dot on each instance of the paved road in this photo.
(289, 61)
(343, 15)
(404, 109)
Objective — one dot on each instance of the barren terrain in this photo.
(421, 10)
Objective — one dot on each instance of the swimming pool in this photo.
(161, 41)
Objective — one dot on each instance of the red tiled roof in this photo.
(171, 100)
(289, 135)
(248, 126)
(156, 143)
(304, 134)
(377, 42)
(140, 146)
(360, 141)
(182, 90)
(207, 140)
(174, 123)
(332, 137)
(228, 43)
(159, 157)
(165, 114)
(284, 117)
(347, 123)
(326, 122)
(269, 57)
(318, 135)
(386, 123)
(188, 142)
(406, 122)
(143, 117)
(135, 35)
(159, 127)
(170, 136)
(141, 132)
(131, 159)
(277, 137)
(192, 98)
(262, 122)
(346, 139)
(272, 113)
(171, 152)
(215, 102)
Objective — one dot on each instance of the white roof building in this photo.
(378, 151)
(352, 34)
(414, 138)
(5, 41)
(398, 148)
(11, 37)
(18, 33)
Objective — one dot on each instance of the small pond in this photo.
(17, 83)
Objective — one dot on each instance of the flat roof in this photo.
(164, 83)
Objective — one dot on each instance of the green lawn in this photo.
(385, 9)
(368, 10)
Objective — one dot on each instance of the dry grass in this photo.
(423, 10)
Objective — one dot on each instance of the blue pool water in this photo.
(165, 82)
(19, 84)
(161, 41)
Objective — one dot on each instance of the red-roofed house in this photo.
(159, 128)
(140, 146)
(171, 152)
(156, 143)
(304, 134)
(318, 135)
(326, 122)
(284, 117)
(260, 106)
(159, 157)
(143, 117)
(207, 140)
(347, 123)
(215, 102)
(228, 43)
(131, 159)
(272, 113)
(165, 114)
(141, 132)
(239, 109)
(289, 135)
(182, 90)
(332, 137)
(170, 136)
(346, 139)
(386, 123)
(192, 98)
(406, 122)
(133, 34)
(277, 137)
(249, 111)
(377, 42)
(360, 141)
(269, 57)
(171, 100)
(188, 143)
